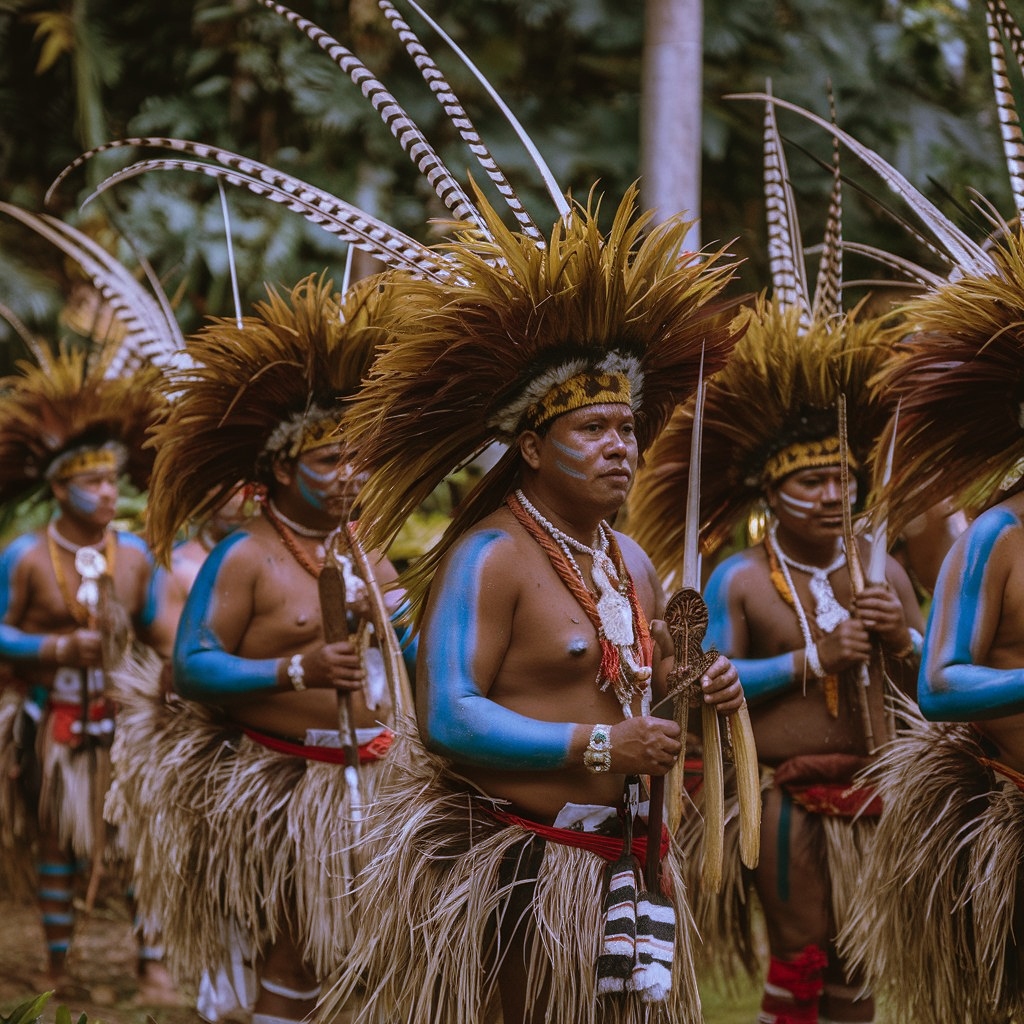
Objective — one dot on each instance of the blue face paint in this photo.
(457, 719)
(570, 453)
(315, 487)
(952, 685)
(84, 502)
(761, 677)
(203, 669)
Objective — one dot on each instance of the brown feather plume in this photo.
(780, 386)
(66, 402)
(300, 354)
(959, 377)
(463, 355)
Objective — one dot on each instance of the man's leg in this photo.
(287, 990)
(55, 871)
(793, 889)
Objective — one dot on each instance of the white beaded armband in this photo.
(296, 673)
(598, 755)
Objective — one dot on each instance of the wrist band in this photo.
(60, 648)
(598, 755)
(914, 646)
(296, 673)
(813, 661)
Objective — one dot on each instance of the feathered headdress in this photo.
(773, 409)
(65, 415)
(959, 376)
(477, 362)
(272, 386)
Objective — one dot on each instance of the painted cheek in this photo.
(82, 501)
(571, 455)
(315, 487)
(795, 507)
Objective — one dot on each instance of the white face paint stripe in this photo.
(797, 509)
(569, 471)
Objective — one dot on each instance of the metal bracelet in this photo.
(598, 755)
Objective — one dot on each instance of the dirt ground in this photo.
(102, 970)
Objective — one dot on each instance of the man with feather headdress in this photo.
(240, 802)
(71, 593)
(494, 832)
(815, 644)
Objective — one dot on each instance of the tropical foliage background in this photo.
(910, 79)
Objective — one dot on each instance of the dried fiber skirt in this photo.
(445, 885)
(227, 838)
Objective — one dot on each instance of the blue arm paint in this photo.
(952, 685)
(408, 640)
(203, 670)
(460, 722)
(15, 644)
(761, 677)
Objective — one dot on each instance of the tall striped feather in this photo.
(556, 193)
(397, 121)
(785, 261)
(456, 113)
(326, 211)
(958, 246)
(828, 296)
(1006, 108)
(150, 335)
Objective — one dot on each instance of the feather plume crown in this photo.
(959, 379)
(453, 377)
(66, 402)
(780, 386)
(298, 358)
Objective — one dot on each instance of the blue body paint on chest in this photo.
(460, 721)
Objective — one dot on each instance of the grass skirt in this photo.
(935, 927)
(443, 879)
(227, 838)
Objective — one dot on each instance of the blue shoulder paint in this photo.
(460, 721)
(952, 685)
(761, 677)
(203, 670)
(15, 644)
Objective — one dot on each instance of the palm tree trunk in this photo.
(670, 120)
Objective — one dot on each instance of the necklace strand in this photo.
(56, 540)
(285, 533)
(614, 612)
(302, 531)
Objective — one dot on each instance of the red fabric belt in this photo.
(372, 751)
(609, 848)
(837, 799)
(63, 718)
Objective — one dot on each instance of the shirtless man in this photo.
(68, 432)
(249, 859)
(502, 813)
(800, 664)
(56, 646)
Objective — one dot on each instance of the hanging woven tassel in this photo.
(617, 958)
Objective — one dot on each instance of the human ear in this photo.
(284, 471)
(529, 448)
